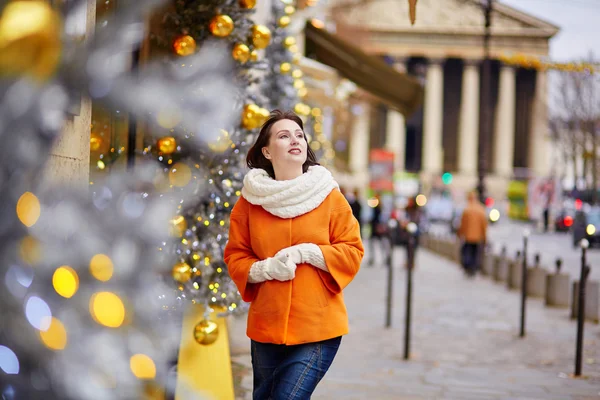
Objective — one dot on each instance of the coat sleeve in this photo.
(344, 255)
(239, 255)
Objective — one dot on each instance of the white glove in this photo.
(308, 253)
(280, 268)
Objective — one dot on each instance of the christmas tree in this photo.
(216, 169)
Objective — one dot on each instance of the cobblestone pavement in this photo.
(465, 342)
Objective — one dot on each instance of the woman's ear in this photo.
(266, 153)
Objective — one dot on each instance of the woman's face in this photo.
(287, 146)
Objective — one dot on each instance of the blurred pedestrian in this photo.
(354, 201)
(473, 233)
(293, 247)
(377, 230)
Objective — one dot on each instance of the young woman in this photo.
(294, 245)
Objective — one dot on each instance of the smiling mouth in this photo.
(295, 151)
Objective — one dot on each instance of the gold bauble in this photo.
(30, 39)
(262, 116)
(249, 116)
(177, 226)
(289, 41)
(302, 92)
(221, 25)
(254, 55)
(285, 67)
(180, 175)
(182, 272)
(222, 143)
(261, 36)
(184, 46)
(284, 21)
(298, 84)
(302, 109)
(241, 53)
(293, 49)
(296, 58)
(289, 10)
(297, 74)
(206, 332)
(95, 142)
(247, 4)
(167, 145)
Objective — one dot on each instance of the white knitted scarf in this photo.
(288, 199)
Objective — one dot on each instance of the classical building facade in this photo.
(444, 50)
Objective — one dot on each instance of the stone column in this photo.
(433, 118)
(69, 161)
(504, 135)
(395, 139)
(359, 143)
(468, 125)
(539, 144)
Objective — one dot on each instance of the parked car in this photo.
(564, 219)
(587, 226)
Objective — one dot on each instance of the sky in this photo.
(579, 21)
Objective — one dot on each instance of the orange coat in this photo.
(473, 224)
(310, 307)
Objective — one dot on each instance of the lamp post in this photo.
(486, 124)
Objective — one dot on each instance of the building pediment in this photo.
(451, 16)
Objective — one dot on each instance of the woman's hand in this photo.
(308, 253)
(280, 268)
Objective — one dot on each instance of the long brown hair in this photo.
(256, 158)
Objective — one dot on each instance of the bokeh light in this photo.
(28, 209)
(38, 313)
(65, 281)
(55, 337)
(101, 267)
(142, 366)
(107, 309)
(421, 200)
(180, 175)
(9, 363)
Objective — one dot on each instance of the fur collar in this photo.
(288, 199)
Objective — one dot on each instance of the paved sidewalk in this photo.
(465, 342)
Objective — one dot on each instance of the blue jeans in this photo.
(290, 372)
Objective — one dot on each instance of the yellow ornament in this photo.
(206, 332)
(247, 4)
(167, 145)
(30, 39)
(289, 41)
(222, 143)
(297, 74)
(302, 92)
(298, 84)
(249, 116)
(184, 46)
(241, 53)
(289, 10)
(296, 58)
(95, 142)
(221, 25)
(261, 36)
(293, 49)
(182, 272)
(285, 67)
(284, 21)
(177, 226)
(263, 116)
(254, 55)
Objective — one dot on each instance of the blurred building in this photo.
(443, 50)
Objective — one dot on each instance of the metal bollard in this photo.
(557, 288)
(501, 267)
(392, 226)
(410, 263)
(513, 280)
(585, 270)
(536, 279)
(524, 283)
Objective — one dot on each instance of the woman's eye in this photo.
(283, 136)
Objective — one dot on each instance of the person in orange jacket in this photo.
(293, 246)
